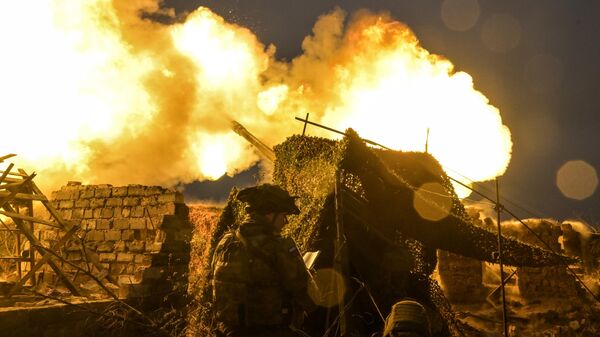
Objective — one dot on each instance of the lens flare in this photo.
(577, 179)
(460, 15)
(330, 288)
(432, 202)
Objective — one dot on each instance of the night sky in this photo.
(537, 61)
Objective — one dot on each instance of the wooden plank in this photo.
(17, 184)
(14, 258)
(12, 180)
(43, 260)
(31, 258)
(14, 174)
(3, 158)
(13, 193)
(5, 173)
(24, 196)
(38, 246)
(29, 218)
(49, 206)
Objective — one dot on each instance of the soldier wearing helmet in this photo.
(408, 318)
(260, 283)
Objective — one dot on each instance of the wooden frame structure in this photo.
(18, 192)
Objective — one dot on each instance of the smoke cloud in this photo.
(112, 96)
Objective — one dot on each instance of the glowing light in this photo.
(64, 72)
(121, 99)
(432, 202)
(269, 100)
(225, 54)
(211, 161)
(330, 286)
(460, 15)
(577, 179)
(392, 90)
(215, 154)
(462, 191)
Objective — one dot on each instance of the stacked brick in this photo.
(140, 234)
(536, 283)
(462, 277)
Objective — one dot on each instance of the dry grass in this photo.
(204, 219)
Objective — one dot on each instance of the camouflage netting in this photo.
(386, 236)
(391, 249)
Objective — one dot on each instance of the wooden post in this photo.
(38, 246)
(18, 250)
(6, 172)
(104, 274)
(305, 123)
(31, 250)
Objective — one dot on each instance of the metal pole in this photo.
(499, 210)
(340, 257)
(339, 132)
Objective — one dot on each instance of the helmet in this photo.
(408, 318)
(268, 198)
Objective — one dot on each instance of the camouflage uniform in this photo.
(260, 282)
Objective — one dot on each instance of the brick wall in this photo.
(461, 277)
(547, 282)
(141, 235)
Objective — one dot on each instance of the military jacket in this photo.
(258, 279)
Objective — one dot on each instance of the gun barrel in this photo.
(264, 150)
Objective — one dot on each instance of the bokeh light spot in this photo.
(577, 179)
(460, 15)
(544, 73)
(501, 33)
(432, 202)
(331, 288)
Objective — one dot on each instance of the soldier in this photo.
(260, 282)
(407, 319)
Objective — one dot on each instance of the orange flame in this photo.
(111, 97)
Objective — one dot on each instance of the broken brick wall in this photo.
(535, 283)
(140, 234)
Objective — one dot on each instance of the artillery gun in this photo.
(358, 208)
